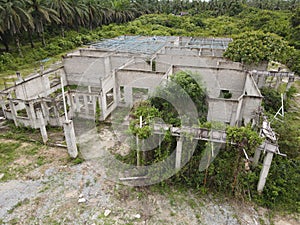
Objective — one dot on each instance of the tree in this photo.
(65, 12)
(41, 15)
(14, 19)
(245, 139)
(256, 46)
(80, 13)
(185, 85)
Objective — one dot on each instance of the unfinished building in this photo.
(107, 74)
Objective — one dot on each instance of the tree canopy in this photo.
(257, 46)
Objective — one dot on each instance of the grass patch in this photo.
(8, 153)
(76, 161)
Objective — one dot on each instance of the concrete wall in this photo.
(85, 70)
(207, 61)
(94, 52)
(222, 110)
(216, 80)
(251, 87)
(250, 106)
(139, 65)
(138, 78)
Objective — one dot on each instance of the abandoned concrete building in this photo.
(106, 75)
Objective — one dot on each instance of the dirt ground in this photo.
(59, 191)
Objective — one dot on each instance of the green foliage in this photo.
(282, 187)
(185, 85)
(148, 113)
(256, 47)
(272, 99)
(243, 138)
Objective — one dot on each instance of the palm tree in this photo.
(80, 13)
(15, 19)
(41, 14)
(123, 11)
(65, 12)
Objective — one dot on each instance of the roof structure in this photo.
(151, 44)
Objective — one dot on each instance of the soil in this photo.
(59, 192)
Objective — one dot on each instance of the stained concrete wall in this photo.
(222, 110)
(138, 78)
(85, 70)
(139, 65)
(250, 106)
(216, 79)
(130, 79)
(251, 87)
(207, 61)
(94, 52)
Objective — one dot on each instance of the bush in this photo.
(255, 47)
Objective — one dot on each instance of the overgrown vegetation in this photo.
(36, 30)
(230, 173)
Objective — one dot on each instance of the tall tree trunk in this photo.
(43, 33)
(62, 31)
(4, 42)
(19, 45)
(43, 39)
(30, 38)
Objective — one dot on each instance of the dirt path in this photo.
(59, 192)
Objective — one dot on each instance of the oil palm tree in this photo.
(80, 13)
(65, 12)
(41, 14)
(15, 19)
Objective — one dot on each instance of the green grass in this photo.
(8, 153)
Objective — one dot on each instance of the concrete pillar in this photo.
(13, 112)
(290, 82)
(261, 81)
(70, 138)
(76, 97)
(138, 152)
(128, 96)
(45, 110)
(264, 171)
(256, 157)
(278, 79)
(107, 65)
(42, 126)
(178, 153)
(31, 114)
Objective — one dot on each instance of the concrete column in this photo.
(289, 84)
(278, 79)
(103, 105)
(264, 171)
(138, 152)
(107, 65)
(42, 126)
(13, 112)
(178, 153)
(256, 157)
(77, 103)
(261, 81)
(85, 99)
(70, 138)
(31, 114)
(128, 96)
(45, 110)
